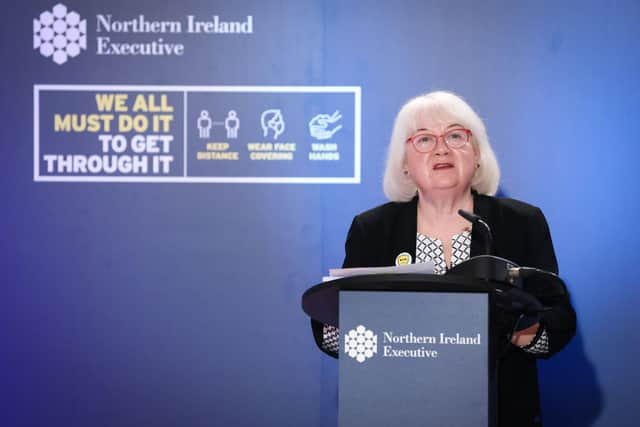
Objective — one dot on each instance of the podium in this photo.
(421, 349)
(414, 348)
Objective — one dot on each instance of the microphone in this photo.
(475, 219)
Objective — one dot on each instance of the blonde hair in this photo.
(444, 106)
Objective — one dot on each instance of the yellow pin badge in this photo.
(403, 258)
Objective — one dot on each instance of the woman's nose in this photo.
(441, 146)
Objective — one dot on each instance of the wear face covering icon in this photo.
(272, 120)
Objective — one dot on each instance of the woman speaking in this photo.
(439, 161)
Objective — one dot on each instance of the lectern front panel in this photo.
(413, 359)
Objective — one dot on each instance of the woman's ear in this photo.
(476, 153)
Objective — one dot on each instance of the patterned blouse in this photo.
(429, 249)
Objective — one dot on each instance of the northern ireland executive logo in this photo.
(360, 343)
(59, 34)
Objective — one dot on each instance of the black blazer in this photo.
(521, 234)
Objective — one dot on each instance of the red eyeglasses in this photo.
(425, 142)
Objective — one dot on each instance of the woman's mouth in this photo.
(438, 166)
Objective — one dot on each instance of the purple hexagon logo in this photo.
(59, 34)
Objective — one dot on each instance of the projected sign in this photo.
(251, 134)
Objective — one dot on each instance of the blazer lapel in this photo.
(403, 238)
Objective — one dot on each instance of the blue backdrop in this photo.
(166, 304)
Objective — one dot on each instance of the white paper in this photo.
(419, 268)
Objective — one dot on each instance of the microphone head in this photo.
(472, 218)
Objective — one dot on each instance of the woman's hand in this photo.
(524, 337)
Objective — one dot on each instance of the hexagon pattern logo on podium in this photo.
(360, 343)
